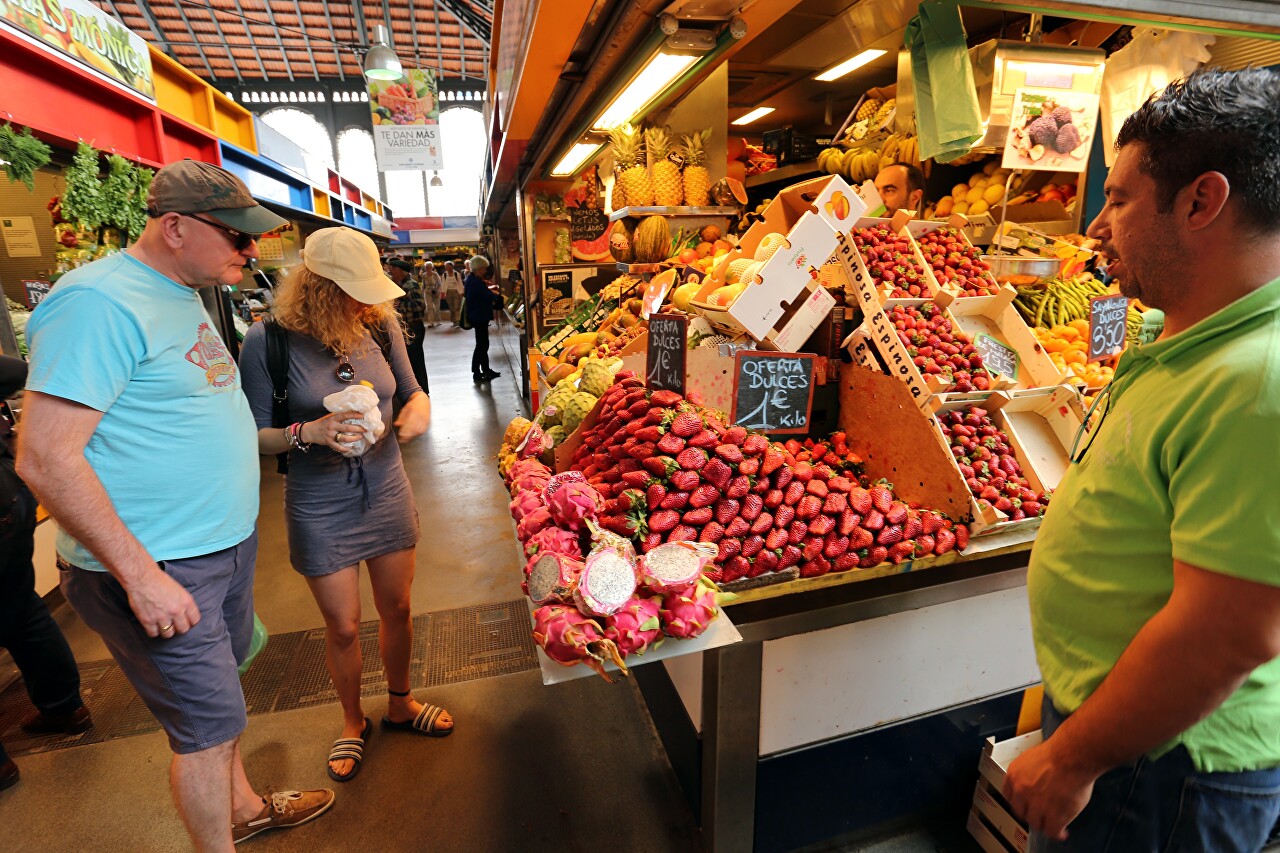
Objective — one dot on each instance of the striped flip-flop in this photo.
(424, 723)
(349, 747)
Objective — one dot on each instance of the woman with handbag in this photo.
(479, 302)
(342, 509)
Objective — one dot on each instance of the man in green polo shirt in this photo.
(1155, 581)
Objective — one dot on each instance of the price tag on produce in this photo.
(773, 391)
(1107, 320)
(36, 291)
(996, 356)
(664, 368)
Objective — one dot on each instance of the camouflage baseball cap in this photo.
(190, 186)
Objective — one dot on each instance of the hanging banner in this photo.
(87, 34)
(406, 121)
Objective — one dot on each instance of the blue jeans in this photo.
(1166, 806)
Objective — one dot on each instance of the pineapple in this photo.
(697, 180)
(629, 156)
(623, 156)
(667, 187)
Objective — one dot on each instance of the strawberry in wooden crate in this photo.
(938, 348)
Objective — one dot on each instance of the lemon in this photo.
(977, 178)
(974, 195)
(978, 207)
(959, 190)
(945, 206)
(990, 167)
(993, 193)
(960, 207)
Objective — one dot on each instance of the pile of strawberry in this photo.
(834, 451)
(988, 464)
(891, 261)
(673, 471)
(938, 348)
(957, 263)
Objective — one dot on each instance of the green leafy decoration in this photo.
(82, 201)
(124, 195)
(23, 154)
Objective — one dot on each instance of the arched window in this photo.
(464, 149)
(304, 129)
(356, 160)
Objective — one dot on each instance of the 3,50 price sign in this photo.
(1107, 320)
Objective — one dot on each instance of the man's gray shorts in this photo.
(189, 682)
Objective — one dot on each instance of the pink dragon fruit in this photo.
(551, 578)
(675, 566)
(607, 582)
(525, 503)
(572, 503)
(569, 637)
(553, 540)
(686, 615)
(636, 627)
(532, 523)
(532, 481)
(525, 467)
(533, 443)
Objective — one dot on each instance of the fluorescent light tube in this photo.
(656, 75)
(758, 112)
(570, 163)
(850, 64)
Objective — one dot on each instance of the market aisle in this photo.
(530, 768)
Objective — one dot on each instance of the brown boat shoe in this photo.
(282, 810)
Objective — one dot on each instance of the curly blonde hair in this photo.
(315, 306)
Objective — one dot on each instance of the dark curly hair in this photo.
(1214, 121)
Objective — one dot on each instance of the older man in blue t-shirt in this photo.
(137, 439)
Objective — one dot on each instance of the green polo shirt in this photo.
(1184, 466)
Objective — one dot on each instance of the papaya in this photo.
(635, 306)
(579, 351)
(581, 338)
(548, 363)
(561, 372)
(628, 320)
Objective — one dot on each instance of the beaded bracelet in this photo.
(294, 435)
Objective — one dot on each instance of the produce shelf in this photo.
(789, 173)
(672, 211)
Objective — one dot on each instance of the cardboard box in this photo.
(996, 757)
(787, 302)
(997, 317)
(990, 804)
(1042, 426)
(986, 835)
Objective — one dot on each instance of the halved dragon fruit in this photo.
(551, 578)
(685, 615)
(636, 627)
(569, 637)
(533, 443)
(607, 582)
(572, 503)
(553, 540)
(675, 566)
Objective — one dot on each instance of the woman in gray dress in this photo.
(339, 510)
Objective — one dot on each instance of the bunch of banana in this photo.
(860, 164)
(829, 160)
(1059, 301)
(889, 151)
(909, 150)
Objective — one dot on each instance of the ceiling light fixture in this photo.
(570, 163)
(435, 180)
(851, 64)
(652, 80)
(381, 62)
(758, 112)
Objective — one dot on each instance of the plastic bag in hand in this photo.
(363, 399)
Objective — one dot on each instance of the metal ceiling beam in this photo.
(357, 6)
(284, 56)
(342, 75)
(252, 45)
(476, 24)
(302, 25)
(235, 68)
(187, 23)
(152, 23)
(435, 14)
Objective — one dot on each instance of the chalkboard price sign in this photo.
(36, 292)
(773, 391)
(996, 357)
(1107, 319)
(665, 360)
(587, 224)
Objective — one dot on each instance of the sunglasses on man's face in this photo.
(240, 241)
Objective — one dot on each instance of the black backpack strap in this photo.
(278, 368)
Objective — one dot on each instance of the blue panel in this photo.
(362, 219)
(266, 180)
(400, 237)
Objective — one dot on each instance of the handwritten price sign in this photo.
(773, 391)
(1107, 317)
(997, 357)
(665, 359)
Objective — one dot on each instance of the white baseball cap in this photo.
(350, 260)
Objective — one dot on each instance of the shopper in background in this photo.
(901, 187)
(136, 438)
(412, 308)
(1155, 579)
(431, 288)
(452, 283)
(341, 511)
(27, 630)
(481, 301)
